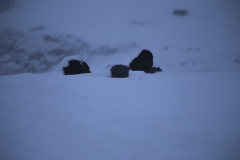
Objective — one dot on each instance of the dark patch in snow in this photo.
(42, 53)
(49, 38)
(237, 60)
(165, 48)
(180, 12)
(38, 28)
(183, 63)
(141, 23)
(59, 52)
(9, 40)
(108, 50)
(6, 5)
(198, 49)
(129, 47)
(105, 50)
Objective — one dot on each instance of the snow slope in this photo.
(35, 35)
(189, 111)
(146, 116)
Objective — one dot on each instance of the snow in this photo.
(189, 111)
(145, 116)
(206, 39)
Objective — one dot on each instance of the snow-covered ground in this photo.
(146, 116)
(189, 111)
(35, 35)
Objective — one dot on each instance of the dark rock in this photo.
(155, 69)
(144, 62)
(76, 67)
(120, 71)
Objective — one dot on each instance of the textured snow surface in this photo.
(146, 116)
(190, 111)
(36, 35)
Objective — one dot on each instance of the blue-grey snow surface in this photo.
(36, 35)
(146, 116)
(189, 111)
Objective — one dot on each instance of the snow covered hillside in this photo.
(146, 116)
(190, 111)
(35, 35)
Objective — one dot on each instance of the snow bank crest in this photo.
(64, 62)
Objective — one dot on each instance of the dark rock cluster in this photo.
(143, 62)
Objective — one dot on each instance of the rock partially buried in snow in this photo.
(74, 65)
(155, 69)
(144, 62)
(120, 71)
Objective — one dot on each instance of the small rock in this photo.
(120, 71)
